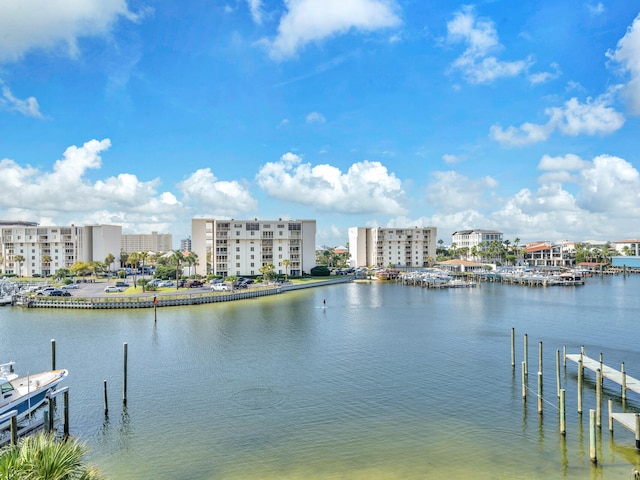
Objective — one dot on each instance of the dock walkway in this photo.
(619, 377)
(630, 421)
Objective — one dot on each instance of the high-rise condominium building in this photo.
(242, 247)
(28, 249)
(396, 247)
(146, 242)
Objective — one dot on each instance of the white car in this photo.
(112, 289)
(220, 287)
(71, 286)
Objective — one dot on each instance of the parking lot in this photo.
(96, 289)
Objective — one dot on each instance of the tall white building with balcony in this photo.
(146, 242)
(242, 247)
(46, 249)
(398, 247)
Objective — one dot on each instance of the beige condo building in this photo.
(46, 249)
(146, 242)
(398, 247)
(242, 247)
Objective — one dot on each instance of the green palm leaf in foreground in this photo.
(42, 457)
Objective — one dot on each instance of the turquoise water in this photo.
(388, 382)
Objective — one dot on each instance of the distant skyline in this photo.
(522, 117)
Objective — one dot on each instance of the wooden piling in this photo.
(592, 437)
(580, 380)
(610, 408)
(513, 347)
(14, 429)
(106, 402)
(526, 354)
(540, 357)
(563, 416)
(524, 382)
(124, 377)
(51, 414)
(65, 397)
(601, 364)
(540, 393)
(599, 398)
(638, 431)
(45, 420)
(624, 382)
(53, 354)
(564, 356)
(558, 372)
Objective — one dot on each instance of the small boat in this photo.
(25, 394)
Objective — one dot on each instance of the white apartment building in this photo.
(398, 247)
(146, 242)
(473, 238)
(46, 249)
(628, 247)
(242, 247)
(185, 245)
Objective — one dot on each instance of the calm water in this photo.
(388, 382)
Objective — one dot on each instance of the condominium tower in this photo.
(396, 247)
(242, 247)
(43, 250)
(146, 242)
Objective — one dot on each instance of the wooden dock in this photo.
(630, 421)
(619, 377)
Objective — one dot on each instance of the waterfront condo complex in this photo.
(242, 247)
(397, 247)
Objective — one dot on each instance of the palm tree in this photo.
(46, 260)
(134, 260)
(109, 259)
(268, 271)
(42, 456)
(286, 262)
(177, 259)
(19, 259)
(192, 260)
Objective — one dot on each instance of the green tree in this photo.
(268, 271)
(43, 457)
(19, 259)
(177, 258)
(320, 271)
(80, 268)
(286, 262)
(109, 260)
(192, 260)
(46, 262)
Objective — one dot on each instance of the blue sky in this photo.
(518, 116)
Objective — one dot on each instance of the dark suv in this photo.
(193, 284)
(59, 293)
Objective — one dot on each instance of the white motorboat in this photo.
(24, 394)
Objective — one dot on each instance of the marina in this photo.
(375, 385)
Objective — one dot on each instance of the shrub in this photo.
(320, 271)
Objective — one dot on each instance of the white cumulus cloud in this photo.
(309, 21)
(627, 55)
(28, 107)
(477, 63)
(367, 187)
(54, 24)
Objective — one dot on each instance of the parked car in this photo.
(220, 287)
(167, 283)
(59, 293)
(122, 285)
(193, 284)
(45, 290)
(71, 286)
(112, 289)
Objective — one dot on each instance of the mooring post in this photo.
(558, 372)
(513, 347)
(564, 356)
(526, 354)
(563, 414)
(51, 413)
(601, 364)
(65, 397)
(599, 398)
(155, 309)
(14, 430)
(124, 377)
(53, 354)
(610, 408)
(580, 380)
(638, 431)
(592, 436)
(624, 382)
(106, 402)
(540, 393)
(45, 420)
(524, 382)
(540, 357)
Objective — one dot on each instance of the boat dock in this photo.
(630, 421)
